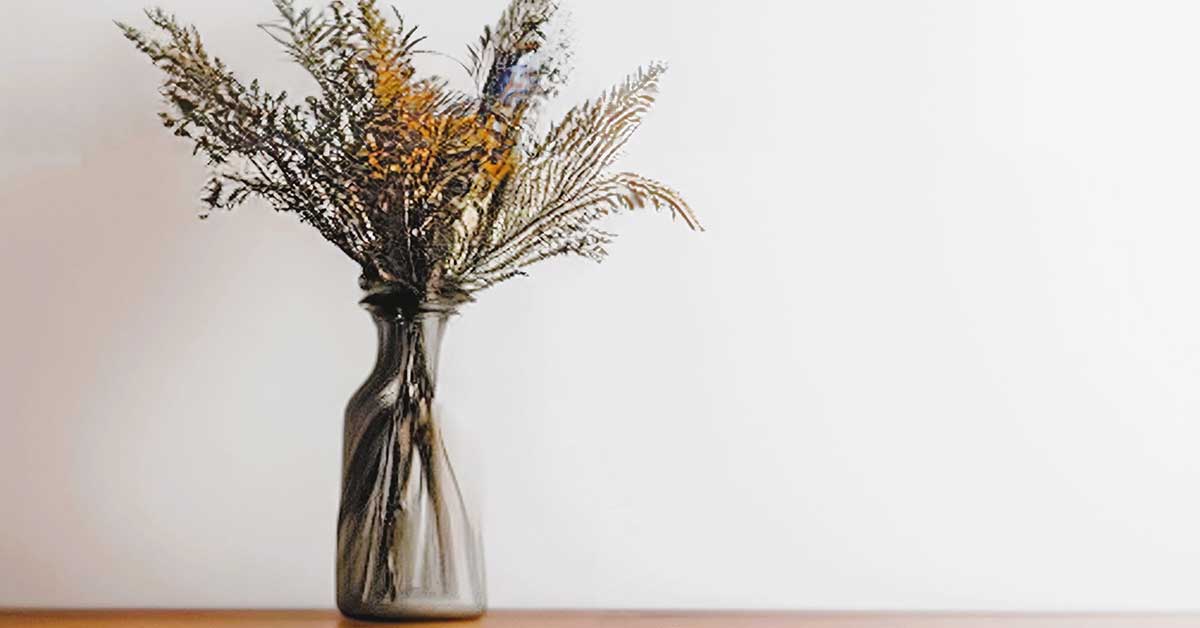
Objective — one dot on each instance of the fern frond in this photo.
(588, 140)
(570, 228)
(563, 169)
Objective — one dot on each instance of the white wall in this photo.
(939, 347)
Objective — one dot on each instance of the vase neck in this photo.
(408, 301)
(409, 345)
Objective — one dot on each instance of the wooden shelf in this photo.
(593, 619)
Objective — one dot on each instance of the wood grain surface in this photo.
(594, 619)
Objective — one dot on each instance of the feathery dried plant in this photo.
(433, 192)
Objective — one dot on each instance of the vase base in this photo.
(411, 611)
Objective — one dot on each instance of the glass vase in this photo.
(407, 547)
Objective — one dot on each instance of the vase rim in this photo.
(399, 300)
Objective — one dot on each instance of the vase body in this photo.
(407, 547)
